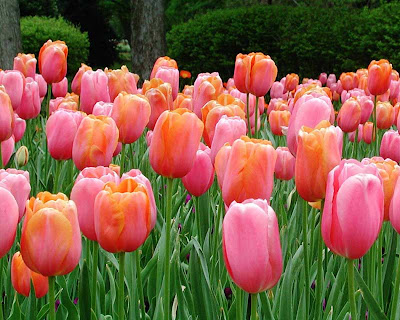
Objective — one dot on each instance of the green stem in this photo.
(94, 277)
(320, 272)
(256, 120)
(352, 299)
(48, 100)
(375, 129)
(139, 282)
(379, 274)
(57, 176)
(121, 286)
(254, 306)
(197, 217)
(167, 309)
(1, 289)
(52, 304)
(248, 113)
(306, 264)
(395, 300)
(123, 158)
(239, 312)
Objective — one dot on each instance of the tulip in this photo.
(367, 105)
(103, 108)
(21, 277)
(159, 95)
(6, 115)
(183, 101)
(394, 89)
(323, 77)
(379, 76)
(277, 105)
(254, 73)
(19, 128)
(389, 172)
(61, 129)
(292, 80)
(227, 130)
(208, 86)
(246, 224)
(349, 116)
(94, 142)
(122, 216)
(201, 176)
(163, 62)
(277, 89)
(120, 80)
(185, 74)
(394, 209)
(29, 107)
(277, 119)
(349, 80)
(94, 88)
(53, 61)
(8, 220)
(390, 145)
(169, 75)
(352, 135)
(22, 156)
(131, 113)
(149, 137)
(76, 82)
(175, 131)
(69, 102)
(188, 90)
(319, 151)
(42, 85)
(368, 134)
(246, 170)
(384, 115)
(7, 149)
(88, 184)
(285, 164)
(25, 63)
(331, 80)
(60, 89)
(51, 240)
(17, 182)
(353, 211)
(14, 84)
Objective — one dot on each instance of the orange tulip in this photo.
(53, 61)
(379, 76)
(319, 151)
(51, 239)
(183, 101)
(349, 80)
(207, 87)
(7, 118)
(21, 277)
(384, 115)
(163, 61)
(368, 134)
(26, 63)
(254, 73)
(362, 72)
(122, 216)
(159, 95)
(292, 80)
(245, 170)
(76, 82)
(95, 142)
(394, 75)
(120, 80)
(175, 141)
(226, 99)
(389, 172)
(349, 116)
(131, 113)
(185, 74)
(277, 119)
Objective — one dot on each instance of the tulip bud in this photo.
(22, 156)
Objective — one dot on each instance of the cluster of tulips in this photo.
(98, 136)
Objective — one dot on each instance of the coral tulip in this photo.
(207, 87)
(349, 116)
(384, 115)
(42, 85)
(183, 101)
(120, 80)
(53, 61)
(6, 115)
(25, 63)
(94, 88)
(8, 220)
(349, 80)
(19, 128)
(292, 80)
(60, 89)
(14, 84)
(169, 75)
(29, 107)
(277, 119)
(379, 76)
(285, 164)
(76, 82)
(163, 62)
(390, 145)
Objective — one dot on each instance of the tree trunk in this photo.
(10, 35)
(147, 35)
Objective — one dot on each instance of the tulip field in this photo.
(180, 197)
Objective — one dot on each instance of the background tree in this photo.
(10, 35)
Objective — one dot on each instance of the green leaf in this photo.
(84, 292)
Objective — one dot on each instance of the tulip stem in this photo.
(1, 289)
(306, 264)
(52, 304)
(197, 217)
(254, 306)
(121, 286)
(395, 300)
(355, 146)
(139, 282)
(248, 113)
(256, 120)
(48, 100)
(320, 273)
(57, 176)
(352, 299)
(375, 129)
(94, 277)
(123, 158)
(167, 309)
(239, 294)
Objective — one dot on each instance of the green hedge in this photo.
(35, 31)
(305, 40)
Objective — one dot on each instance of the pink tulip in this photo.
(171, 76)
(208, 86)
(277, 91)
(230, 84)
(14, 83)
(94, 88)
(352, 135)
(394, 89)
(285, 164)
(103, 108)
(353, 211)
(42, 85)
(19, 128)
(394, 209)
(323, 77)
(29, 107)
(117, 149)
(331, 80)
(6, 115)
(7, 149)
(349, 115)
(76, 82)
(17, 182)
(228, 129)
(8, 220)
(149, 136)
(61, 129)
(60, 89)
(251, 245)
(139, 177)
(390, 145)
(88, 184)
(367, 105)
(25, 63)
(201, 176)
